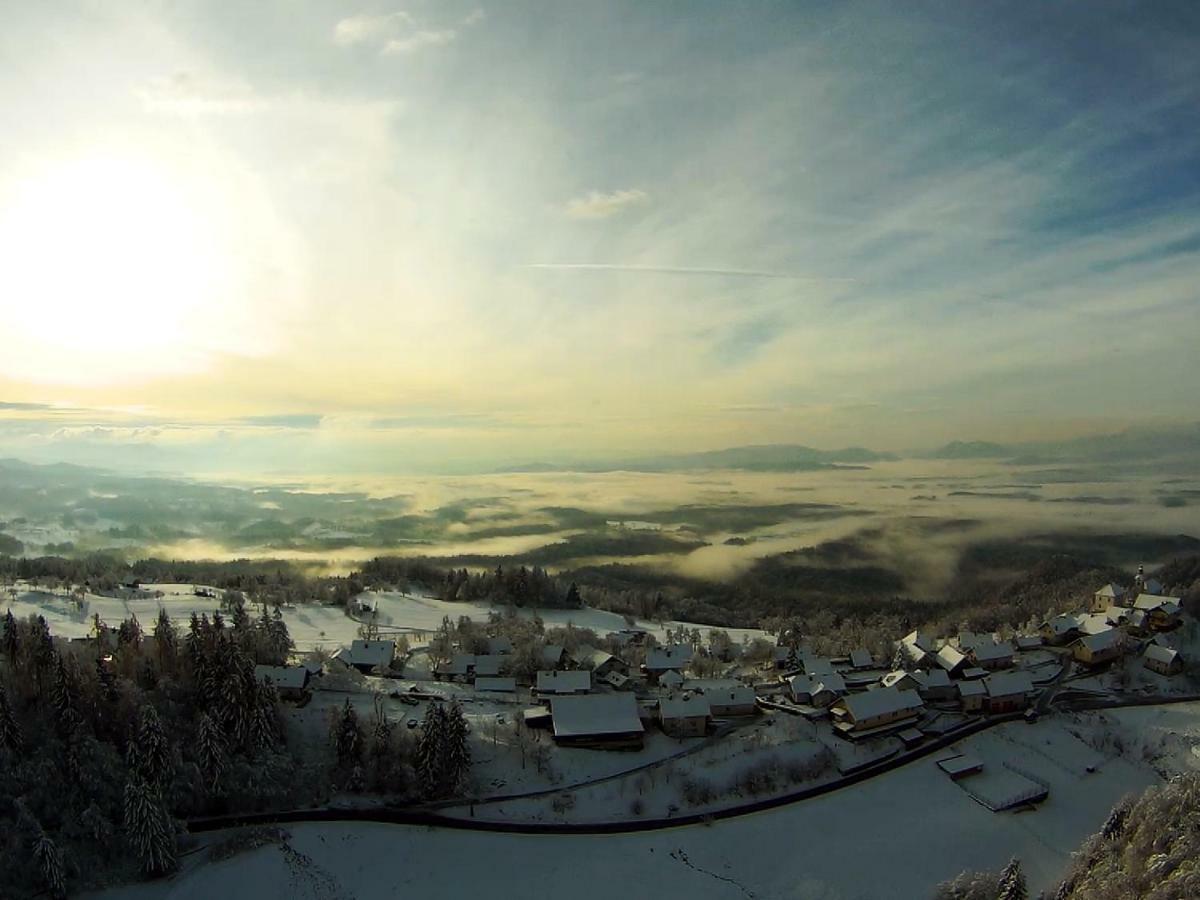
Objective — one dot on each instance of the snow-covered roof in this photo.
(922, 640)
(564, 682)
(892, 679)
(1152, 586)
(674, 656)
(933, 678)
(815, 665)
(800, 684)
(988, 651)
(960, 765)
(949, 658)
(615, 678)
(369, 653)
(505, 685)
(1095, 624)
(1115, 615)
(973, 672)
(1111, 592)
(595, 714)
(288, 677)
(487, 665)
(971, 688)
(880, 702)
(1103, 640)
(735, 695)
(552, 654)
(1159, 653)
(591, 656)
(458, 665)
(671, 678)
(830, 681)
(1005, 684)
(499, 645)
(1028, 641)
(684, 707)
(1062, 624)
(861, 658)
(969, 639)
(1151, 602)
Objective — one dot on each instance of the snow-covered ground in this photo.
(309, 625)
(894, 836)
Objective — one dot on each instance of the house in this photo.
(671, 679)
(615, 679)
(1027, 642)
(992, 656)
(900, 680)
(1117, 615)
(363, 605)
(600, 721)
(1095, 623)
(1162, 613)
(1007, 691)
(960, 766)
(1094, 649)
(861, 659)
(934, 684)
(951, 660)
(459, 666)
(968, 640)
(289, 681)
(1060, 630)
(487, 665)
(366, 656)
(971, 694)
(499, 646)
(687, 715)
(553, 656)
(885, 706)
(1109, 595)
(497, 685)
(1162, 660)
(825, 689)
(599, 661)
(815, 665)
(732, 700)
(627, 636)
(916, 646)
(800, 688)
(973, 672)
(1137, 622)
(559, 684)
(673, 657)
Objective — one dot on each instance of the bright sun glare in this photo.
(104, 255)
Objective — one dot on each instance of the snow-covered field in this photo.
(310, 626)
(894, 836)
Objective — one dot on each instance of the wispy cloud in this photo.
(681, 270)
(369, 29)
(284, 420)
(420, 40)
(185, 93)
(598, 205)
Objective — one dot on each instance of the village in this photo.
(574, 723)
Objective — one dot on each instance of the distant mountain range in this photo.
(1131, 445)
(756, 458)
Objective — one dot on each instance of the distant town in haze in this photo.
(687, 450)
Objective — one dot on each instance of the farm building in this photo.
(916, 647)
(934, 684)
(367, 655)
(825, 689)
(674, 657)
(671, 679)
(467, 666)
(736, 700)
(601, 721)
(1094, 649)
(1162, 613)
(1007, 691)
(971, 694)
(1028, 641)
(960, 766)
(289, 681)
(558, 684)
(599, 661)
(900, 680)
(1060, 630)
(684, 716)
(800, 688)
(861, 659)
(992, 656)
(1162, 660)
(857, 713)
(817, 666)
(497, 685)
(951, 660)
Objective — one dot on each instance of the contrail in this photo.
(680, 270)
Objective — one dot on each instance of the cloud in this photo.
(597, 205)
(369, 29)
(286, 420)
(17, 405)
(419, 41)
(474, 17)
(185, 93)
(680, 270)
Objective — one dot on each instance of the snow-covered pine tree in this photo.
(166, 640)
(347, 737)
(210, 751)
(48, 860)
(457, 765)
(263, 727)
(149, 752)
(148, 827)
(64, 696)
(431, 758)
(10, 638)
(10, 731)
(1012, 882)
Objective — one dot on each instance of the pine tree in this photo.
(457, 749)
(65, 696)
(347, 737)
(210, 751)
(149, 753)
(10, 639)
(574, 601)
(10, 731)
(106, 680)
(148, 827)
(48, 860)
(1012, 882)
(431, 755)
(263, 726)
(166, 640)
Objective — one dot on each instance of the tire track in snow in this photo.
(682, 857)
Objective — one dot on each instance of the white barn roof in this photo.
(1005, 684)
(595, 714)
(287, 677)
(686, 707)
(989, 651)
(1159, 653)
(674, 656)
(881, 702)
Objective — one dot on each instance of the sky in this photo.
(306, 235)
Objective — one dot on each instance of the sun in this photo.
(106, 265)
